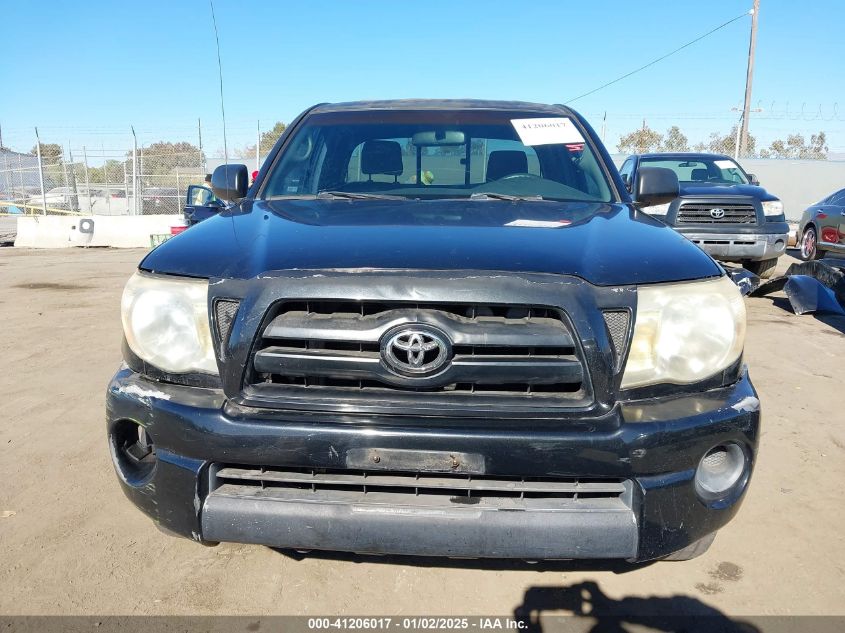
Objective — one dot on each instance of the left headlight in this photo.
(685, 332)
(772, 207)
(166, 323)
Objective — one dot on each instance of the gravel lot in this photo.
(75, 545)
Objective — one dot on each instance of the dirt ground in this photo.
(74, 545)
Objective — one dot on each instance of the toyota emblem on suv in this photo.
(717, 214)
(415, 350)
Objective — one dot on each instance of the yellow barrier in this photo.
(32, 209)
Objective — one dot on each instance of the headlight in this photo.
(772, 207)
(166, 323)
(685, 332)
(658, 209)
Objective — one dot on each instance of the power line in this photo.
(659, 59)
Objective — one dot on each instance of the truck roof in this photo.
(442, 104)
(683, 155)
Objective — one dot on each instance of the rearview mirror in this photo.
(439, 137)
(655, 185)
(753, 179)
(230, 182)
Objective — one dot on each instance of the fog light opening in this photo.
(133, 451)
(719, 470)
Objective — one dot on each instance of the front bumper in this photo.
(728, 246)
(652, 446)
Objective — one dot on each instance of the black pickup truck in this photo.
(721, 208)
(436, 328)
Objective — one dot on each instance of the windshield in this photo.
(701, 171)
(475, 154)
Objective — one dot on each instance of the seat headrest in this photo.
(503, 163)
(699, 175)
(381, 157)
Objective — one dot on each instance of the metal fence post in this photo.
(87, 181)
(134, 172)
(41, 173)
(257, 145)
(74, 197)
(126, 187)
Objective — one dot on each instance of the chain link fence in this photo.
(149, 180)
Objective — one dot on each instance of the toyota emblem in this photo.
(717, 214)
(415, 350)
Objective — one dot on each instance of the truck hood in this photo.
(605, 244)
(750, 191)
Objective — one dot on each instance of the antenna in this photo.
(220, 74)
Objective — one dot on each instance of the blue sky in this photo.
(84, 71)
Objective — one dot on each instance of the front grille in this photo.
(359, 486)
(690, 213)
(325, 348)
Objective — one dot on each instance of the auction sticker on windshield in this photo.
(547, 131)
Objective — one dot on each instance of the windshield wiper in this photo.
(492, 195)
(356, 195)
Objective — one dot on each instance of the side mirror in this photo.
(199, 196)
(230, 182)
(753, 179)
(655, 185)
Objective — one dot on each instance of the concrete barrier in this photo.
(99, 230)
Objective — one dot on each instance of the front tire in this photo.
(763, 269)
(809, 246)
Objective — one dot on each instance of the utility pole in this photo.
(755, 12)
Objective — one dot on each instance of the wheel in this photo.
(763, 269)
(808, 247)
(693, 550)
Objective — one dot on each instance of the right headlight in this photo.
(165, 321)
(685, 332)
(772, 208)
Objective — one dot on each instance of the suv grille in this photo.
(321, 348)
(700, 214)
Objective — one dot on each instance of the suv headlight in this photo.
(772, 207)
(166, 323)
(685, 332)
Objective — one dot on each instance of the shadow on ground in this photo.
(584, 607)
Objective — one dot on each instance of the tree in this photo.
(675, 141)
(163, 157)
(796, 147)
(50, 152)
(643, 140)
(111, 172)
(269, 138)
(265, 142)
(726, 144)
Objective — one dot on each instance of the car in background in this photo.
(822, 228)
(55, 198)
(160, 201)
(721, 208)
